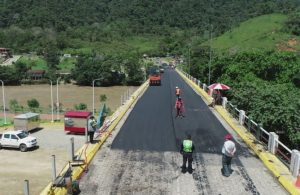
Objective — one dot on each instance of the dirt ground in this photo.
(36, 165)
(68, 95)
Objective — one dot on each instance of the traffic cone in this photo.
(297, 184)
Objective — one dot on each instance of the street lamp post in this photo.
(3, 101)
(210, 55)
(52, 120)
(189, 60)
(57, 101)
(94, 95)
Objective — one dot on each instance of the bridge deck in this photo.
(141, 157)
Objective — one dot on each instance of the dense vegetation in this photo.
(265, 83)
(28, 26)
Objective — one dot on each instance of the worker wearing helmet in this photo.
(187, 149)
(177, 91)
(228, 151)
(179, 106)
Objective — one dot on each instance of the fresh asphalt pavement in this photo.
(152, 125)
(142, 157)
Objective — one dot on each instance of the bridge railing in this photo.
(269, 140)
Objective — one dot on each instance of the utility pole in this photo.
(189, 60)
(210, 55)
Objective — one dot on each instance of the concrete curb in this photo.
(90, 150)
(277, 168)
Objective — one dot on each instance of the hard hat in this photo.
(228, 137)
(188, 136)
(176, 87)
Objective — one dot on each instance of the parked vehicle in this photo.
(17, 139)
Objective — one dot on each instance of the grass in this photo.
(143, 44)
(67, 64)
(262, 32)
(8, 122)
(35, 62)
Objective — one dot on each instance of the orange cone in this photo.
(297, 184)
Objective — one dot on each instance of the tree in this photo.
(81, 106)
(9, 76)
(103, 98)
(51, 55)
(21, 69)
(33, 104)
(14, 105)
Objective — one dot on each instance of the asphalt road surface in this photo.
(142, 156)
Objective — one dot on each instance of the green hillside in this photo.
(263, 32)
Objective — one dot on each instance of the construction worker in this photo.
(177, 91)
(179, 107)
(92, 124)
(187, 149)
(228, 151)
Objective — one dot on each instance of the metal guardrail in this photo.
(283, 153)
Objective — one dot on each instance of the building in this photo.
(36, 74)
(27, 121)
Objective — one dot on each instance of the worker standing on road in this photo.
(187, 149)
(177, 91)
(179, 106)
(92, 123)
(228, 151)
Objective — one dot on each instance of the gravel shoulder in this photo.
(36, 165)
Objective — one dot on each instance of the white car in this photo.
(17, 139)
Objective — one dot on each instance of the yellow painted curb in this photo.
(90, 150)
(277, 168)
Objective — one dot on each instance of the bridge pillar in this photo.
(273, 142)
(224, 102)
(295, 163)
(242, 117)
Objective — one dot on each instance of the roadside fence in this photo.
(269, 140)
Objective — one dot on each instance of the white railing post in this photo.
(72, 149)
(295, 163)
(211, 92)
(26, 187)
(53, 168)
(273, 142)
(242, 117)
(204, 86)
(224, 102)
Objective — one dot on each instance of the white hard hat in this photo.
(176, 87)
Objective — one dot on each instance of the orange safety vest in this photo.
(177, 92)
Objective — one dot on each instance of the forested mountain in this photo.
(138, 16)
(104, 20)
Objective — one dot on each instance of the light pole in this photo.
(209, 65)
(3, 102)
(51, 102)
(189, 60)
(94, 95)
(57, 101)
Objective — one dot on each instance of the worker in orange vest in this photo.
(177, 92)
